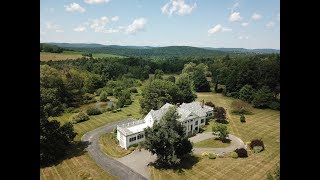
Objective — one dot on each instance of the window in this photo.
(196, 128)
(196, 123)
(132, 139)
(202, 121)
(140, 136)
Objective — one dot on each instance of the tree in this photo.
(103, 96)
(73, 81)
(167, 139)
(220, 130)
(242, 118)
(158, 92)
(124, 98)
(158, 73)
(200, 81)
(262, 98)
(185, 86)
(171, 78)
(246, 93)
(210, 104)
(92, 82)
(220, 114)
(79, 117)
(54, 139)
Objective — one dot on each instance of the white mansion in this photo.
(192, 115)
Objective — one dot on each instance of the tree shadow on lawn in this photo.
(76, 149)
(187, 162)
(225, 140)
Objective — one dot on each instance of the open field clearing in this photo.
(263, 124)
(46, 56)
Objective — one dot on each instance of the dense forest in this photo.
(51, 48)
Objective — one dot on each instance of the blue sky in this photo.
(202, 23)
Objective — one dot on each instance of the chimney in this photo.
(202, 103)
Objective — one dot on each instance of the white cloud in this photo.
(137, 25)
(270, 24)
(244, 24)
(59, 30)
(74, 7)
(80, 29)
(278, 17)
(178, 7)
(96, 1)
(115, 18)
(50, 26)
(218, 28)
(235, 17)
(256, 16)
(243, 37)
(99, 24)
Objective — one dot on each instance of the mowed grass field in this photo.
(47, 56)
(72, 168)
(109, 146)
(263, 124)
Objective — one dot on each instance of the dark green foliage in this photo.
(158, 92)
(171, 78)
(79, 117)
(93, 111)
(133, 90)
(274, 105)
(242, 118)
(256, 142)
(87, 54)
(50, 48)
(104, 96)
(167, 140)
(124, 98)
(158, 74)
(262, 98)
(246, 93)
(92, 83)
(242, 152)
(54, 139)
(220, 130)
(220, 114)
(200, 81)
(185, 85)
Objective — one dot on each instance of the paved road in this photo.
(109, 164)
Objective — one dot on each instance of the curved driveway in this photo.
(122, 171)
(107, 163)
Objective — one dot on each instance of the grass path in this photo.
(109, 146)
(263, 124)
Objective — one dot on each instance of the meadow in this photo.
(47, 56)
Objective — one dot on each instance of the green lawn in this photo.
(211, 143)
(109, 146)
(263, 124)
(73, 167)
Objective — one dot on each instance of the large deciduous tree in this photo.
(158, 92)
(220, 130)
(185, 85)
(167, 139)
(200, 81)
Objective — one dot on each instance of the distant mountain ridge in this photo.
(149, 51)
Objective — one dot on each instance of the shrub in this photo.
(256, 142)
(212, 155)
(233, 154)
(274, 105)
(133, 90)
(115, 130)
(69, 109)
(257, 149)
(93, 111)
(114, 111)
(109, 109)
(204, 154)
(242, 152)
(210, 104)
(242, 118)
(104, 96)
(129, 114)
(119, 109)
(240, 107)
(79, 117)
(219, 90)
